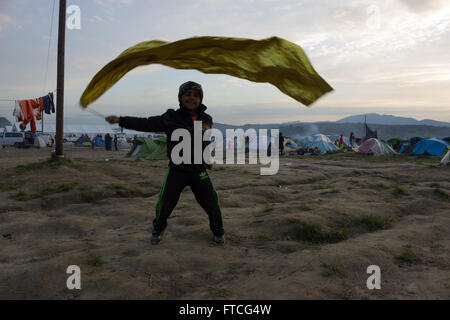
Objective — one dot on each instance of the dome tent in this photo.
(433, 146)
(319, 141)
(375, 147)
(446, 158)
(147, 148)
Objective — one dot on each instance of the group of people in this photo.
(108, 141)
(340, 143)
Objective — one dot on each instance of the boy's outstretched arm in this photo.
(150, 124)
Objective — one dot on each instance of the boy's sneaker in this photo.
(156, 237)
(219, 240)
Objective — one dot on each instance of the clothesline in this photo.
(54, 91)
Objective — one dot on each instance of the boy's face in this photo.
(191, 99)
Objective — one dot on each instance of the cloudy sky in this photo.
(386, 56)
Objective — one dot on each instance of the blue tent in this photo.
(433, 146)
(98, 141)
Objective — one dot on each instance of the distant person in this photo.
(115, 142)
(352, 139)
(281, 143)
(341, 142)
(108, 141)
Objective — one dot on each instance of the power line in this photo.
(49, 42)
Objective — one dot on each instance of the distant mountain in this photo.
(4, 122)
(376, 118)
(385, 131)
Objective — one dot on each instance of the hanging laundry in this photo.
(17, 113)
(50, 94)
(27, 107)
(47, 105)
(38, 108)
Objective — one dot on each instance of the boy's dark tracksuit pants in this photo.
(204, 192)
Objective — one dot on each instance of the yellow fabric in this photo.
(273, 60)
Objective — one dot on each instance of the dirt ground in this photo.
(309, 232)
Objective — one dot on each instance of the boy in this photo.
(178, 176)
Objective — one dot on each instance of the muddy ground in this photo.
(309, 232)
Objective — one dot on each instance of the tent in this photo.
(98, 141)
(433, 146)
(395, 143)
(375, 147)
(39, 142)
(446, 158)
(319, 141)
(83, 141)
(149, 149)
(290, 145)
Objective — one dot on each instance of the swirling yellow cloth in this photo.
(274, 60)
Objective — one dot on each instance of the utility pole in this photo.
(60, 79)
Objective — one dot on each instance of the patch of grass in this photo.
(268, 209)
(63, 187)
(87, 197)
(322, 187)
(373, 222)
(266, 238)
(29, 167)
(332, 270)
(303, 207)
(334, 190)
(407, 256)
(7, 187)
(295, 192)
(347, 291)
(53, 161)
(95, 261)
(22, 196)
(399, 192)
(84, 188)
(315, 233)
(435, 185)
(442, 195)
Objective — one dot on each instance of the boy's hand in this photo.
(112, 119)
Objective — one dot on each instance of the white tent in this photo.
(446, 158)
(39, 142)
(319, 141)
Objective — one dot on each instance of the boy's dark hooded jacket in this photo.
(169, 122)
